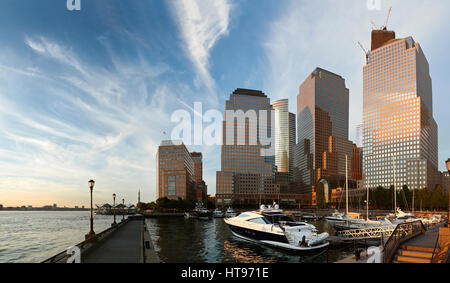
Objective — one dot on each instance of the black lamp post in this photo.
(91, 232)
(447, 163)
(114, 209)
(123, 210)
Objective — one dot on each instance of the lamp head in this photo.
(91, 184)
(114, 195)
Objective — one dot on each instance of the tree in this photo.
(437, 200)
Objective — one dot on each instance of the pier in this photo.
(127, 242)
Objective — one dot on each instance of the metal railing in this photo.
(441, 254)
(402, 233)
(84, 246)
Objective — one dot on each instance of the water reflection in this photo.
(179, 240)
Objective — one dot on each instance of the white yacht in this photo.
(271, 226)
(230, 213)
(218, 213)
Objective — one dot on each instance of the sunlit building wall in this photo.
(175, 172)
(399, 128)
(284, 136)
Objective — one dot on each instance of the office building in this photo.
(175, 172)
(399, 129)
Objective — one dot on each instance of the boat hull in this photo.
(270, 239)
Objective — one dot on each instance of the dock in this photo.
(127, 242)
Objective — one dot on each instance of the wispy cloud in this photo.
(88, 122)
(202, 24)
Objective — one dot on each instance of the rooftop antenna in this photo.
(387, 19)
(365, 51)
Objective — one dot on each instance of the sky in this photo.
(90, 93)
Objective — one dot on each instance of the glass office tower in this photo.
(246, 173)
(323, 112)
(399, 129)
(284, 136)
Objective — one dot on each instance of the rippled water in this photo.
(179, 240)
(29, 236)
(35, 236)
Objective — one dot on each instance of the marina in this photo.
(174, 239)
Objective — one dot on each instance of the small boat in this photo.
(199, 212)
(218, 213)
(230, 213)
(272, 227)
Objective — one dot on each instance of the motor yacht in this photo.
(230, 213)
(199, 212)
(271, 226)
(218, 213)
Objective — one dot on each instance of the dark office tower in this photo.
(323, 112)
(292, 138)
(201, 188)
(399, 129)
(246, 174)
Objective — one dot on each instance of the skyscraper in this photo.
(399, 129)
(284, 137)
(201, 188)
(246, 174)
(323, 112)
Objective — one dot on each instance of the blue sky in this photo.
(88, 94)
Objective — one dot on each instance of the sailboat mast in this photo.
(346, 184)
(395, 186)
(367, 205)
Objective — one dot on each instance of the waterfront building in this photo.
(247, 175)
(359, 135)
(323, 116)
(175, 172)
(201, 188)
(445, 182)
(399, 129)
(284, 137)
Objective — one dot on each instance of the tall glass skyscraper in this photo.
(399, 129)
(323, 112)
(284, 137)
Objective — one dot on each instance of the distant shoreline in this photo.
(43, 209)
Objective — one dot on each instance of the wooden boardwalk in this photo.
(127, 242)
(427, 240)
(124, 246)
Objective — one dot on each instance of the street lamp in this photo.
(91, 232)
(447, 163)
(123, 210)
(114, 209)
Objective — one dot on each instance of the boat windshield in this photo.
(278, 218)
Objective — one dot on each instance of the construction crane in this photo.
(365, 51)
(374, 25)
(387, 19)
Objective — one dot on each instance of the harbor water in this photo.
(28, 237)
(34, 236)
